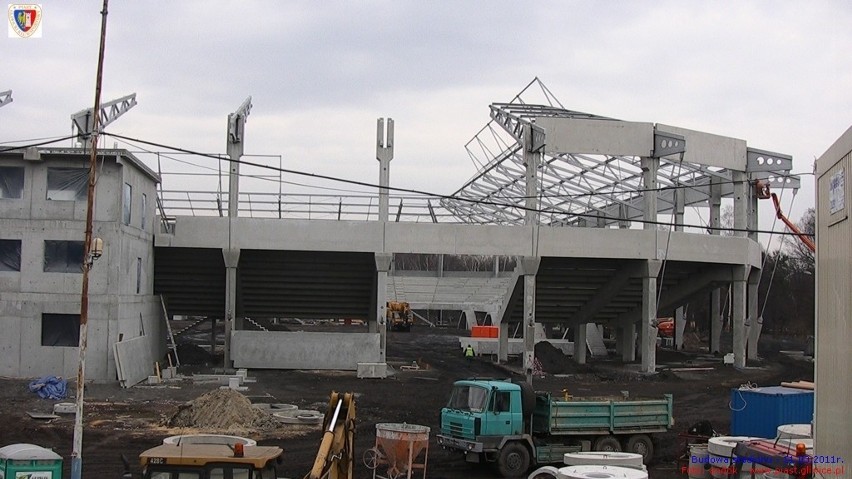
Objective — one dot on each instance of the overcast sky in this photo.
(776, 74)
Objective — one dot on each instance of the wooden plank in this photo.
(799, 385)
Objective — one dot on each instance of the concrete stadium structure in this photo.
(592, 208)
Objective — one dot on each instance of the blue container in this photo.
(758, 412)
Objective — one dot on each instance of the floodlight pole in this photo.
(76, 451)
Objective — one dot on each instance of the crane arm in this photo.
(780, 215)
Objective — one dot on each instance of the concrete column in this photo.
(503, 343)
(738, 310)
(232, 260)
(680, 206)
(715, 294)
(496, 266)
(440, 265)
(529, 267)
(755, 321)
(628, 343)
(580, 343)
(751, 212)
(619, 340)
(680, 325)
(647, 331)
(649, 183)
(383, 261)
(741, 205)
(384, 153)
(715, 320)
(531, 160)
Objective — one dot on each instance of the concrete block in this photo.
(372, 370)
(153, 380)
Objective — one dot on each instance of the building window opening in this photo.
(60, 330)
(126, 203)
(63, 256)
(138, 275)
(143, 215)
(67, 184)
(10, 255)
(11, 182)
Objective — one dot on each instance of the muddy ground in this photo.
(127, 421)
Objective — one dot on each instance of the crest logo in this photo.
(24, 20)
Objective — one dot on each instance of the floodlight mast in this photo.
(5, 97)
(235, 142)
(83, 121)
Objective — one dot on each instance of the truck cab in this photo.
(485, 420)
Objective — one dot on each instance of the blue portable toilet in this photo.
(757, 412)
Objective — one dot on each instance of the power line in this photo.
(41, 143)
(436, 195)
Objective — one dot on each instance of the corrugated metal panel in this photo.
(758, 412)
(833, 429)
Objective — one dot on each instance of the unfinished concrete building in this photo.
(594, 210)
(42, 224)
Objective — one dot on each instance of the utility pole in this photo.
(76, 451)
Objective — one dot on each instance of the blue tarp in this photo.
(49, 387)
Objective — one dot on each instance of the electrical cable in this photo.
(40, 143)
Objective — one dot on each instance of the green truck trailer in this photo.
(512, 427)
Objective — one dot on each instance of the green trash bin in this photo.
(28, 461)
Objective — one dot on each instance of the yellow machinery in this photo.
(211, 460)
(239, 461)
(334, 458)
(399, 316)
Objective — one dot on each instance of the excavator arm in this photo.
(335, 454)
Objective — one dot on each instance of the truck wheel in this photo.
(641, 444)
(607, 444)
(514, 460)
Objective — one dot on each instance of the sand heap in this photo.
(222, 410)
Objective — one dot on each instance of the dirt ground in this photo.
(128, 421)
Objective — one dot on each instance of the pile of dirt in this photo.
(554, 361)
(222, 410)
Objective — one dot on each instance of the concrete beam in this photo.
(600, 137)
(709, 149)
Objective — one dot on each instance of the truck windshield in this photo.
(468, 398)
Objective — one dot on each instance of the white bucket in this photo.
(698, 467)
(794, 431)
(627, 459)
(601, 472)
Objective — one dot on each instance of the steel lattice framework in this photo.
(573, 189)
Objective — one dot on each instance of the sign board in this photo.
(837, 192)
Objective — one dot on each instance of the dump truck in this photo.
(399, 316)
(510, 426)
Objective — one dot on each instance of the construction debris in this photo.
(799, 385)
